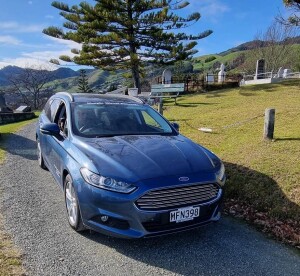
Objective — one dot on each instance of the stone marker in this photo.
(221, 74)
(166, 76)
(286, 73)
(260, 69)
(269, 124)
(280, 73)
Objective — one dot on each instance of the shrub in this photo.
(209, 59)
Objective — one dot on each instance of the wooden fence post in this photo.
(269, 124)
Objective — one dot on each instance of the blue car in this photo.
(124, 169)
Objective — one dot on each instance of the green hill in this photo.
(236, 60)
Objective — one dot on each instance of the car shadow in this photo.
(193, 104)
(243, 181)
(204, 251)
(18, 145)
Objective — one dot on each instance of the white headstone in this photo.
(286, 73)
(167, 76)
(280, 73)
(222, 73)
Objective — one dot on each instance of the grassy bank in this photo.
(263, 176)
(10, 258)
(5, 130)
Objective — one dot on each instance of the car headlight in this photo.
(106, 182)
(221, 173)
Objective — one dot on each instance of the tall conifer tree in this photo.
(83, 84)
(123, 34)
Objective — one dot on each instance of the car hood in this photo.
(136, 158)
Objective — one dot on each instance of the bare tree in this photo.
(29, 84)
(275, 46)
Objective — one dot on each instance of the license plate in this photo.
(184, 214)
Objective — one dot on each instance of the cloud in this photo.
(45, 55)
(56, 48)
(48, 16)
(13, 26)
(9, 40)
(212, 9)
(52, 49)
(27, 63)
(30, 2)
(69, 44)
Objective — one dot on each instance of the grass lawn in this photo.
(262, 175)
(10, 258)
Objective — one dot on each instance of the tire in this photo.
(72, 206)
(40, 156)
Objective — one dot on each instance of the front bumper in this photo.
(117, 215)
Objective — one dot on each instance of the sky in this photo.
(23, 44)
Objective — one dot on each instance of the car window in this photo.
(150, 120)
(47, 109)
(96, 120)
(53, 109)
(61, 118)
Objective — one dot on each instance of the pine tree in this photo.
(294, 5)
(293, 20)
(124, 34)
(83, 84)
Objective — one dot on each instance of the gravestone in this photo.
(3, 107)
(260, 69)
(286, 73)
(167, 76)
(23, 108)
(221, 74)
(280, 73)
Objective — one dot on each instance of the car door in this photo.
(48, 116)
(58, 145)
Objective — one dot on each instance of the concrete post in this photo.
(269, 124)
(160, 106)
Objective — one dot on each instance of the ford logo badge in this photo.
(183, 178)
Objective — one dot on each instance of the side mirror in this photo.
(176, 126)
(50, 129)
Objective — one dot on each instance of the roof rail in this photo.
(66, 94)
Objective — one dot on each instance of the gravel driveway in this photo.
(34, 213)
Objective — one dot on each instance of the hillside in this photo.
(234, 59)
(99, 80)
(9, 71)
(250, 45)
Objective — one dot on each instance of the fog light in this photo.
(104, 218)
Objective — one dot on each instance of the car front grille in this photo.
(164, 199)
(161, 223)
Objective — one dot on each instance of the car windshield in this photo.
(111, 119)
